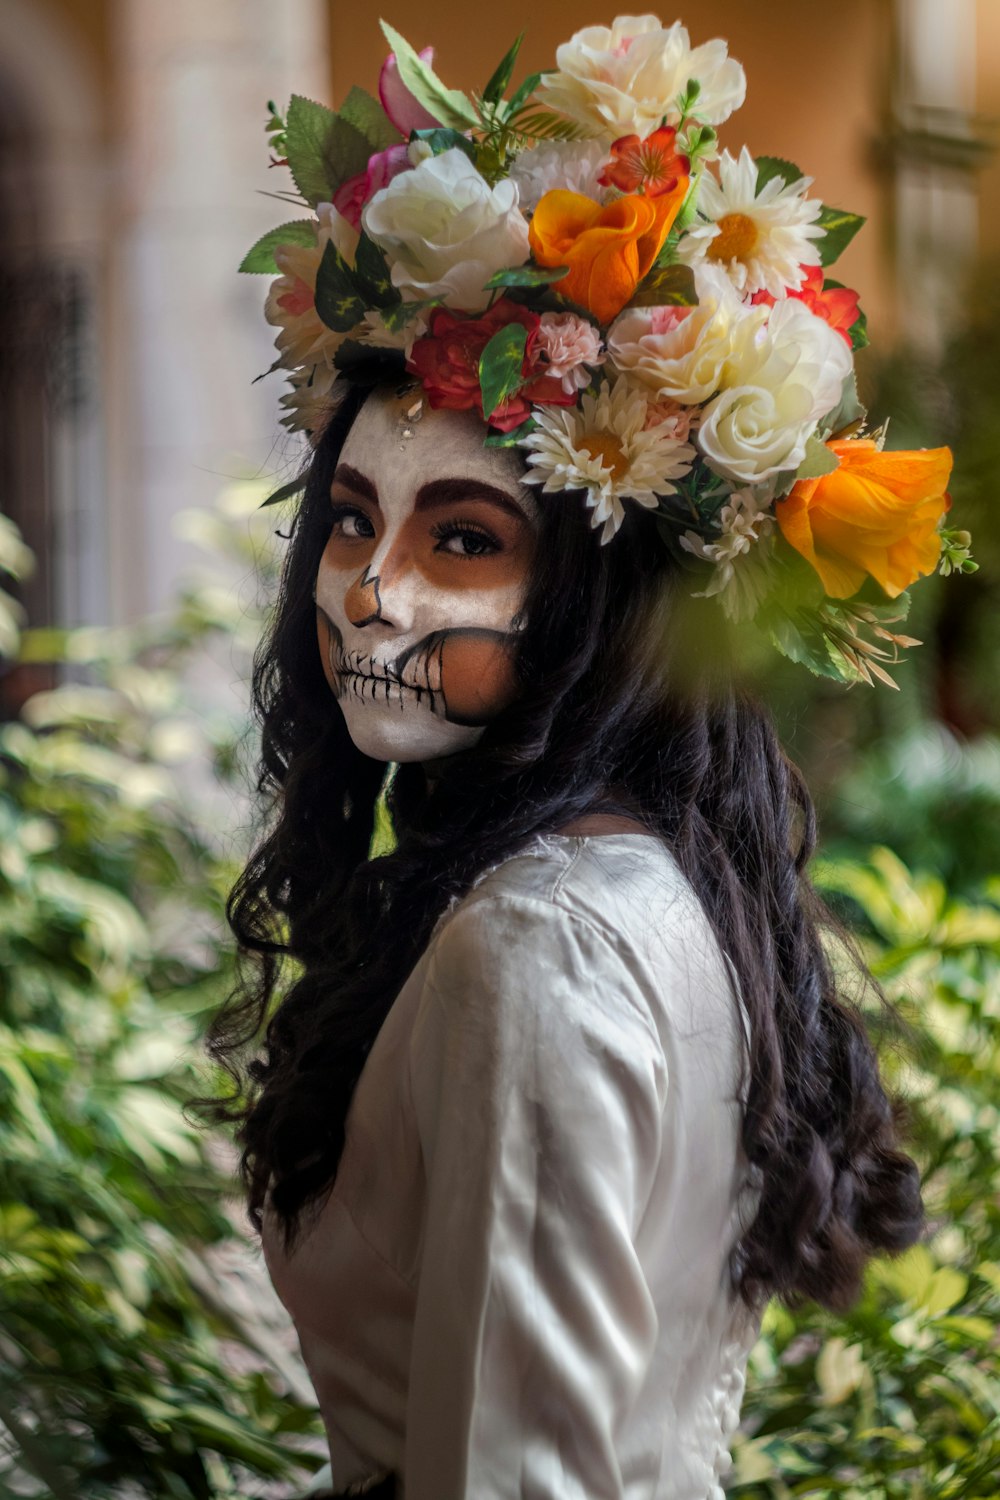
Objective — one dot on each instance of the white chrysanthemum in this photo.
(573, 165)
(602, 446)
(741, 556)
(762, 239)
(778, 379)
(625, 78)
(313, 397)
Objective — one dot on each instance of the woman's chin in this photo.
(389, 732)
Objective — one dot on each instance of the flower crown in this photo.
(648, 319)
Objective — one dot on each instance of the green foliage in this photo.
(448, 106)
(260, 257)
(529, 276)
(339, 303)
(141, 1354)
(841, 227)
(501, 364)
(901, 1397)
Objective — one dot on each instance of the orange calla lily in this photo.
(876, 515)
(608, 249)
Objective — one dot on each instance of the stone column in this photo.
(187, 335)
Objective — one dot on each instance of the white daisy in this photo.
(741, 556)
(763, 240)
(603, 446)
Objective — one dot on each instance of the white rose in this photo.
(779, 379)
(624, 78)
(445, 231)
(679, 352)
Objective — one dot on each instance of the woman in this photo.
(563, 1088)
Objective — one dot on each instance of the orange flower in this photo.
(652, 166)
(875, 515)
(608, 250)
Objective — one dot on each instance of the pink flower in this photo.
(352, 195)
(675, 420)
(570, 344)
(446, 361)
(397, 101)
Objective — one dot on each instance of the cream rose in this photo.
(778, 380)
(623, 79)
(445, 231)
(679, 353)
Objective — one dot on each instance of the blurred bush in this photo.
(901, 1398)
(142, 1354)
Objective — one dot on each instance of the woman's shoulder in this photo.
(625, 890)
(618, 880)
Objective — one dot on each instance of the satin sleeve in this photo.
(538, 1083)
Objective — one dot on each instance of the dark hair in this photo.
(610, 713)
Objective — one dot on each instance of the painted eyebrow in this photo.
(451, 491)
(353, 479)
(436, 492)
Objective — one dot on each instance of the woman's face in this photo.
(421, 581)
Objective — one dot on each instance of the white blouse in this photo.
(519, 1287)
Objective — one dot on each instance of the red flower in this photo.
(838, 306)
(652, 166)
(446, 361)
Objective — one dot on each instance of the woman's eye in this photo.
(348, 521)
(463, 540)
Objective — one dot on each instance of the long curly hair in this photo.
(623, 705)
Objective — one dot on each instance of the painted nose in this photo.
(362, 604)
(386, 593)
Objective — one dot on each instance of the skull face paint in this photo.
(420, 584)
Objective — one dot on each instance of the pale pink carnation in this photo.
(677, 420)
(570, 344)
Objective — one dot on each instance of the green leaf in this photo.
(397, 316)
(841, 227)
(285, 492)
(859, 331)
(338, 303)
(526, 276)
(371, 274)
(449, 106)
(442, 139)
(544, 125)
(260, 259)
(306, 131)
(523, 93)
(666, 284)
(367, 115)
(817, 462)
(775, 166)
(501, 364)
(802, 643)
(494, 90)
(510, 439)
(847, 415)
(346, 153)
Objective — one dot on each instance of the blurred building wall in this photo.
(141, 126)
